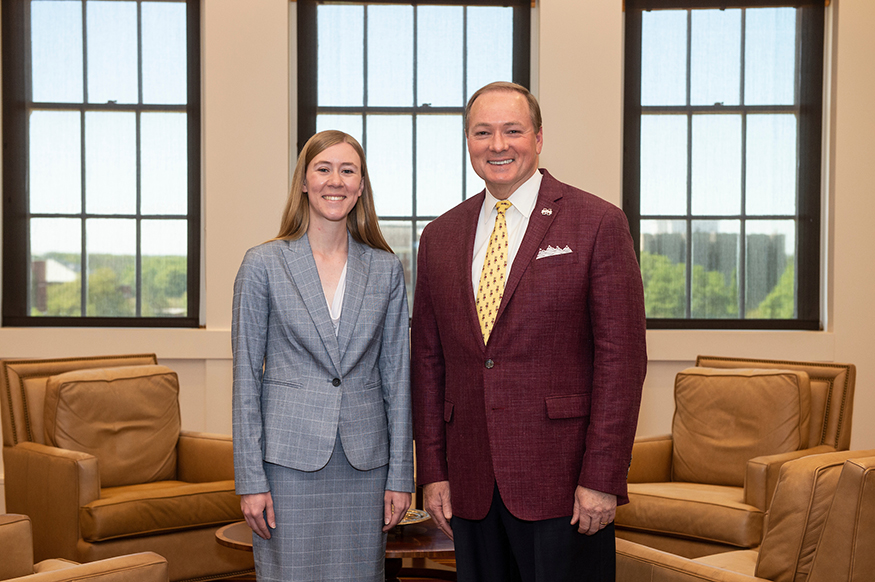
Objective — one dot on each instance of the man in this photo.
(527, 373)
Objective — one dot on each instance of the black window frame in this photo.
(308, 107)
(809, 182)
(17, 103)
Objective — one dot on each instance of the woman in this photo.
(321, 405)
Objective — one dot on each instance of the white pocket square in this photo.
(552, 251)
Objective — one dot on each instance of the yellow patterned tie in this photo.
(492, 276)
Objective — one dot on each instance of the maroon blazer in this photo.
(552, 401)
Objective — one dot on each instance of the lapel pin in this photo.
(546, 211)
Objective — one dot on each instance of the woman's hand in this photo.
(395, 505)
(256, 507)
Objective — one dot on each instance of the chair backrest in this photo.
(805, 491)
(846, 551)
(832, 394)
(725, 417)
(23, 384)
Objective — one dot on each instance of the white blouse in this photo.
(335, 307)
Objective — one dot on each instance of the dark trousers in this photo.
(503, 548)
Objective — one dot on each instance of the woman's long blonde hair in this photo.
(361, 222)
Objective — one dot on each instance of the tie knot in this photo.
(502, 206)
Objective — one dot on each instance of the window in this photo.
(101, 169)
(397, 76)
(722, 160)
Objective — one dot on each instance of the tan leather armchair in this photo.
(17, 564)
(94, 455)
(821, 528)
(706, 487)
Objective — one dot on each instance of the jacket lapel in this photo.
(302, 268)
(539, 224)
(358, 265)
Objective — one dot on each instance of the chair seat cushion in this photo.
(158, 507)
(712, 513)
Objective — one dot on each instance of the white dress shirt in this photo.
(517, 217)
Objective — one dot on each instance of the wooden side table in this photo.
(236, 535)
(419, 540)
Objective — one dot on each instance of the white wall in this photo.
(248, 128)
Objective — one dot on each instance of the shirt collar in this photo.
(523, 199)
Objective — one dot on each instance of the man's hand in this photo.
(593, 510)
(395, 504)
(436, 498)
(256, 507)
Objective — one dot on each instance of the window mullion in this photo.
(464, 100)
(138, 255)
(414, 117)
(742, 237)
(688, 283)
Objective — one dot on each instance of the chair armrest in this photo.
(761, 474)
(204, 457)
(143, 567)
(50, 485)
(651, 460)
(17, 544)
(637, 563)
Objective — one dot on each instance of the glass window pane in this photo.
(715, 60)
(110, 162)
(55, 162)
(770, 280)
(769, 56)
(399, 235)
(489, 32)
(112, 51)
(390, 56)
(55, 264)
(439, 56)
(164, 53)
(716, 179)
(663, 164)
(438, 163)
(112, 286)
(351, 124)
(770, 181)
(164, 163)
(56, 51)
(340, 66)
(664, 57)
(164, 267)
(715, 269)
(390, 162)
(663, 268)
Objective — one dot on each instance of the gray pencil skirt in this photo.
(329, 524)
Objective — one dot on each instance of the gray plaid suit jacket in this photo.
(297, 384)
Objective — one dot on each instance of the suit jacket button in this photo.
(336, 382)
(489, 364)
